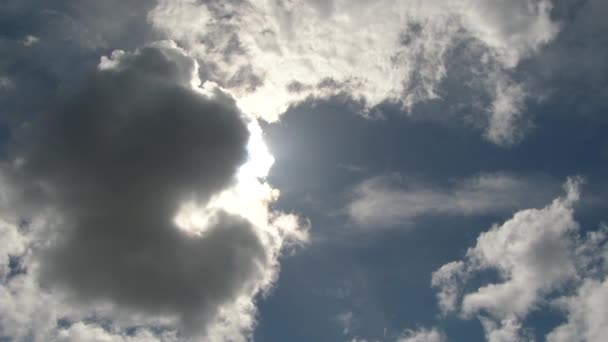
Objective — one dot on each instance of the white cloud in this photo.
(389, 200)
(506, 124)
(270, 54)
(535, 253)
(512, 29)
(30, 40)
(507, 330)
(5, 83)
(449, 279)
(587, 314)
(422, 335)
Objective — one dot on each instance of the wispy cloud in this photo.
(395, 200)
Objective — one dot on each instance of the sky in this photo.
(303, 170)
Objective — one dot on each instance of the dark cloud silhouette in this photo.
(116, 162)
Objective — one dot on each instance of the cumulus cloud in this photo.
(271, 54)
(535, 254)
(391, 200)
(128, 194)
(587, 317)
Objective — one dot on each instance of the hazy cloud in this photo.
(391, 200)
(422, 335)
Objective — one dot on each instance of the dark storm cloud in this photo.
(116, 162)
(47, 46)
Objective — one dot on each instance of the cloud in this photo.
(391, 200)
(535, 254)
(573, 69)
(587, 319)
(507, 330)
(30, 40)
(271, 54)
(5, 83)
(48, 47)
(95, 333)
(422, 335)
(347, 322)
(506, 125)
(123, 191)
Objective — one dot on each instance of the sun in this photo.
(247, 197)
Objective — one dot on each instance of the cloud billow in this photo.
(540, 256)
(114, 166)
(272, 54)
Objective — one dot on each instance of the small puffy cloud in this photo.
(507, 330)
(127, 193)
(449, 278)
(30, 40)
(5, 83)
(535, 254)
(506, 123)
(422, 335)
(274, 54)
(389, 200)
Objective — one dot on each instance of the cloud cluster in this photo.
(393, 200)
(271, 54)
(536, 254)
(117, 201)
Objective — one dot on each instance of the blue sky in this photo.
(240, 170)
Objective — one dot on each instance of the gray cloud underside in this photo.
(114, 164)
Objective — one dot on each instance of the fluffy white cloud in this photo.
(141, 203)
(271, 54)
(389, 200)
(587, 314)
(535, 253)
(507, 330)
